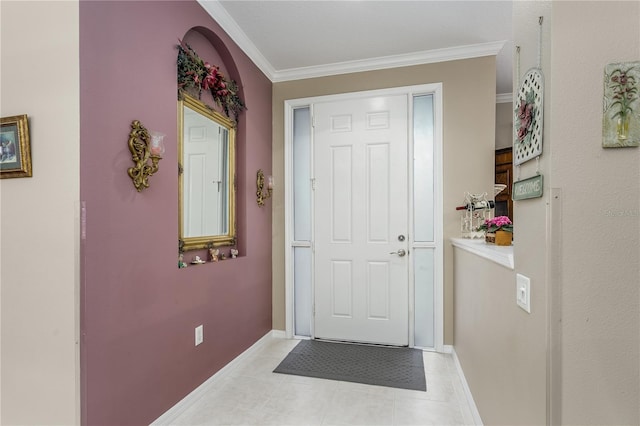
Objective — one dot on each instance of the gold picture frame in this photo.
(15, 147)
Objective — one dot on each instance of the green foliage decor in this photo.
(193, 72)
(625, 91)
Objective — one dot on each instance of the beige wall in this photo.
(598, 262)
(504, 125)
(531, 217)
(469, 141)
(579, 244)
(501, 347)
(39, 257)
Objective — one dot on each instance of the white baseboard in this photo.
(279, 334)
(170, 416)
(447, 349)
(467, 391)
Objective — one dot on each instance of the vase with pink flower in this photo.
(498, 230)
(625, 91)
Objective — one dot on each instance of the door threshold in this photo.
(348, 342)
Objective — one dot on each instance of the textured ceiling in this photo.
(290, 35)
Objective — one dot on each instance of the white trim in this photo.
(231, 27)
(393, 61)
(233, 30)
(477, 420)
(289, 105)
(278, 334)
(171, 415)
(411, 244)
(410, 220)
(447, 349)
(289, 313)
(502, 255)
(504, 98)
(438, 122)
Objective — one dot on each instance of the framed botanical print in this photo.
(621, 109)
(15, 148)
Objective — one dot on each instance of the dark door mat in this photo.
(372, 365)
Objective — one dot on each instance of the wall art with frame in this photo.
(15, 148)
(621, 105)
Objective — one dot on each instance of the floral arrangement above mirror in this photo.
(195, 73)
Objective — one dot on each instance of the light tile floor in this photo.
(251, 394)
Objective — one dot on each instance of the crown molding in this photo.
(229, 25)
(394, 61)
(233, 30)
(504, 98)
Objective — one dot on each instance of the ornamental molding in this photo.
(229, 25)
(393, 61)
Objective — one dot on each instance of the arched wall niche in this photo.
(213, 50)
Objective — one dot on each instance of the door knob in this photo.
(400, 252)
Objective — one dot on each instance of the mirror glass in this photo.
(206, 150)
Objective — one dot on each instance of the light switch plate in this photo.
(523, 292)
(199, 334)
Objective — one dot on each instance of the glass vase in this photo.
(622, 126)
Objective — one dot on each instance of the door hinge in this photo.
(313, 184)
(313, 121)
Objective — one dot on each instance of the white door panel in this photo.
(361, 207)
(202, 153)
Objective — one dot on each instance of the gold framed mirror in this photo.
(206, 176)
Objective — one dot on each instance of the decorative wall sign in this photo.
(527, 141)
(528, 188)
(621, 107)
(15, 148)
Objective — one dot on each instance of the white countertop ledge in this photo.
(502, 255)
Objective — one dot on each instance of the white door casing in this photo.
(300, 267)
(361, 210)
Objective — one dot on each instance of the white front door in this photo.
(361, 220)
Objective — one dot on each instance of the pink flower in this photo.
(522, 132)
(528, 111)
(499, 221)
(521, 109)
(208, 82)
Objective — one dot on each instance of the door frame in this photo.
(434, 89)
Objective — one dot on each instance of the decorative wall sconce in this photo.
(260, 193)
(144, 145)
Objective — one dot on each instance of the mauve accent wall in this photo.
(138, 310)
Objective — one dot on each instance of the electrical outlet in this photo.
(523, 292)
(199, 334)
